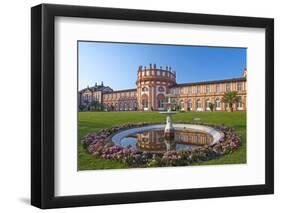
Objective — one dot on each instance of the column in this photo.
(244, 103)
(193, 104)
(203, 104)
(185, 103)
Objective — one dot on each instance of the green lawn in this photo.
(94, 121)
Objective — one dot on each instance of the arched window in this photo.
(160, 101)
(116, 107)
(125, 106)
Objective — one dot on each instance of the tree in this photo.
(211, 106)
(230, 98)
(112, 107)
(177, 108)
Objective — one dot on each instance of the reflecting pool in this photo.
(155, 140)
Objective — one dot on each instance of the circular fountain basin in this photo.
(151, 138)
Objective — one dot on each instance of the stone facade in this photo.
(154, 84)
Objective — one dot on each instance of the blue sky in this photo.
(116, 64)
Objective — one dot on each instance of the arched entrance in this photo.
(189, 105)
(182, 105)
(198, 105)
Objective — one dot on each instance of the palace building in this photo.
(153, 85)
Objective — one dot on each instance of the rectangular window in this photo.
(198, 89)
(217, 88)
(227, 87)
(207, 88)
(239, 86)
(189, 90)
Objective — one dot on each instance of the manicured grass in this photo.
(94, 121)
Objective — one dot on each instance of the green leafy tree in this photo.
(230, 98)
(112, 107)
(211, 106)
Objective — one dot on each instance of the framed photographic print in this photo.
(140, 106)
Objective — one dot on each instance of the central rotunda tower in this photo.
(152, 87)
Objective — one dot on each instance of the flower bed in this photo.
(100, 145)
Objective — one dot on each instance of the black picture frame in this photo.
(43, 102)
